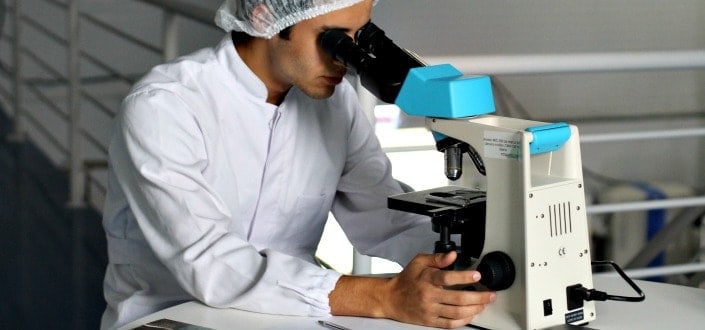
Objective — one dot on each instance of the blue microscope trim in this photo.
(438, 136)
(548, 137)
(441, 91)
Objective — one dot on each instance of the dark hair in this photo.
(239, 37)
(285, 33)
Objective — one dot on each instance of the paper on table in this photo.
(166, 324)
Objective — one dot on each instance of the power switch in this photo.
(547, 307)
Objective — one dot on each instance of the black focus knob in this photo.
(497, 270)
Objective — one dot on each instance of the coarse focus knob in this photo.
(497, 270)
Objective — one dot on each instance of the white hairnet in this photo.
(266, 18)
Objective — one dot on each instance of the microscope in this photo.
(518, 207)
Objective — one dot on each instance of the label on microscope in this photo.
(502, 145)
(574, 316)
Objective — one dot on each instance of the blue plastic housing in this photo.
(441, 91)
(548, 137)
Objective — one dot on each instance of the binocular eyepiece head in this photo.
(381, 64)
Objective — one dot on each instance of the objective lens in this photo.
(454, 162)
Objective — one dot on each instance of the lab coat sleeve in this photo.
(158, 155)
(360, 206)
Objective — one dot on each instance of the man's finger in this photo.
(466, 298)
(459, 312)
(455, 277)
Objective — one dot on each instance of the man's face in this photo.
(301, 62)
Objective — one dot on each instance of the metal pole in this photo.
(170, 35)
(186, 9)
(77, 175)
(670, 233)
(362, 264)
(659, 271)
(646, 205)
(638, 136)
(575, 63)
(19, 130)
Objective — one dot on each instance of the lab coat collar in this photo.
(236, 67)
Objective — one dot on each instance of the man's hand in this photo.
(416, 295)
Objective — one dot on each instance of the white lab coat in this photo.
(216, 195)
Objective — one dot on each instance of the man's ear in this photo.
(261, 18)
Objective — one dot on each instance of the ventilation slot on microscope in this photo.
(560, 220)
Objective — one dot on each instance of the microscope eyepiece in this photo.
(342, 48)
(371, 38)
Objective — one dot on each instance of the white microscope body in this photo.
(536, 213)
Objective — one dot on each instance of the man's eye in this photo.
(335, 31)
(341, 30)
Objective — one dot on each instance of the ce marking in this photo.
(562, 252)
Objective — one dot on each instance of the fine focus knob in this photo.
(497, 270)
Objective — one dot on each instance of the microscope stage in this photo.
(438, 202)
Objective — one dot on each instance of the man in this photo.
(225, 163)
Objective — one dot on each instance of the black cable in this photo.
(592, 294)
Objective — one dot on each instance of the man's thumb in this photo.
(443, 260)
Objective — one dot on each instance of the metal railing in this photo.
(577, 63)
(73, 145)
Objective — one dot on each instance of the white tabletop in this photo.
(666, 307)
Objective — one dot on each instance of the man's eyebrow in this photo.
(344, 29)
